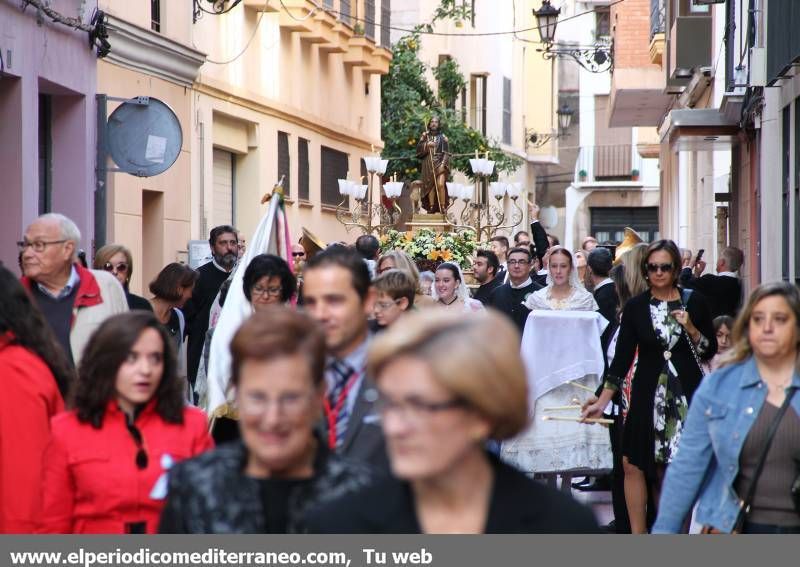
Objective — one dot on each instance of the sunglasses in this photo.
(298, 254)
(141, 455)
(120, 268)
(666, 268)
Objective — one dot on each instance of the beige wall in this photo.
(313, 79)
(151, 216)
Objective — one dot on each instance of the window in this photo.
(284, 162)
(602, 22)
(369, 19)
(45, 154)
(344, 11)
(785, 191)
(471, 5)
(155, 15)
(302, 169)
(333, 166)
(224, 187)
(386, 21)
(506, 110)
(608, 223)
(477, 102)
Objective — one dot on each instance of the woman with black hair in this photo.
(672, 332)
(104, 469)
(268, 281)
(34, 376)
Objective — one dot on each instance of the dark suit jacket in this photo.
(363, 441)
(724, 293)
(608, 302)
(483, 292)
(197, 310)
(539, 239)
(518, 505)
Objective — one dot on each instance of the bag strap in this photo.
(685, 295)
(773, 428)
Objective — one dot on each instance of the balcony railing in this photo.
(597, 164)
(658, 16)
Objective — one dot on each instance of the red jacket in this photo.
(29, 397)
(91, 482)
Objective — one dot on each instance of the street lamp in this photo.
(596, 58)
(537, 140)
(546, 21)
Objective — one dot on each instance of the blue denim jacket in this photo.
(705, 467)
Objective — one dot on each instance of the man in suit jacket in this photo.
(598, 266)
(484, 267)
(338, 294)
(510, 297)
(500, 247)
(723, 290)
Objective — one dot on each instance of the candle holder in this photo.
(368, 214)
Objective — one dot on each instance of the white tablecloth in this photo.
(560, 347)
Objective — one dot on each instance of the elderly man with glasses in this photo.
(74, 300)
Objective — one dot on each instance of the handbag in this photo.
(685, 294)
(744, 505)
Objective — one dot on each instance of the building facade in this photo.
(47, 120)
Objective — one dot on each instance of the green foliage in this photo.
(408, 102)
(450, 80)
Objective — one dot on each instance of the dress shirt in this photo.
(72, 283)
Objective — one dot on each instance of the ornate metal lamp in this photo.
(366, 211)
(537, 140)
(594, 58)
(479, 213)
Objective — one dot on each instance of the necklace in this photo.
(778, 387)
(446, 303)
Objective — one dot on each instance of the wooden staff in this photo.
(602, 420)
(581, 386)
(433, 168)
(559, 408)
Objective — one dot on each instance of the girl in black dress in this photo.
(673, 332)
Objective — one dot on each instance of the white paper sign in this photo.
(156, 149)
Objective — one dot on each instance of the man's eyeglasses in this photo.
(38, 245)
(260, 291)
(141, 455)
(518, 262)
(121, 268)
(666, 268)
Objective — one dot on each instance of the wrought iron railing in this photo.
(608, 163)
(658, 16)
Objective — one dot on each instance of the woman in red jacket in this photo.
(105, 468)
(33, 369)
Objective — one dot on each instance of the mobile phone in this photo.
(699, 255)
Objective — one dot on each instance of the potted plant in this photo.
(635, 174)
(582, 175)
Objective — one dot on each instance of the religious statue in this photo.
(434, 151)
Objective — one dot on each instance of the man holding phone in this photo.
(723, 290)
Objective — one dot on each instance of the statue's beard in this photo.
(434, 131)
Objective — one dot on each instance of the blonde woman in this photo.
(397, 259)
(728, 428)
(444, 391)
(117, 260)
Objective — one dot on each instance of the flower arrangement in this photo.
(429, 248)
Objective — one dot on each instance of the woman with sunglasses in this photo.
(117, 260)
(673, 332)
(105, 467)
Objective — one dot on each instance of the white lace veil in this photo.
(461, 291)
(574, 281)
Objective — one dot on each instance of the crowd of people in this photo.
(367, 397)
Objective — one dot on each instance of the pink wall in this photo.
(55, 60)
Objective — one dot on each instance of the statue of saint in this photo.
(434, 151)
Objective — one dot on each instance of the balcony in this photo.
(608, 165)
(658, 15)
(331, 33)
